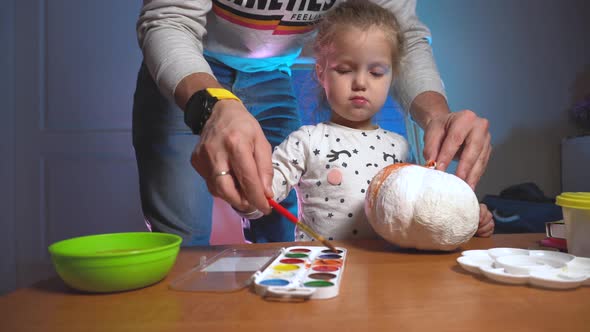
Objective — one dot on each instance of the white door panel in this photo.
(75, 174)
(7, 166)
(92, 58)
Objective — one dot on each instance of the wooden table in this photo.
(383, 289)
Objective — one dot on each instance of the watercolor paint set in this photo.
(302, 272)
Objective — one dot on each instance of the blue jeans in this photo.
(174, 197)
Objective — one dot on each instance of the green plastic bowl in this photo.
(115, 262)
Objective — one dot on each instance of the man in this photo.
(222, 69)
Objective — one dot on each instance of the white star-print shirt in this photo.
(330, 166)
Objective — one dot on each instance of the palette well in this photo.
(302, 272)
(540, 268)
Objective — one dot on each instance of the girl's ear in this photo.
(319, 72)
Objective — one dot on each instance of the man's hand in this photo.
(234, 157)
(459, 135)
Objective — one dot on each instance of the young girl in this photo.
(358, 49)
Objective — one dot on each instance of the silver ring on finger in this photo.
(222, 173)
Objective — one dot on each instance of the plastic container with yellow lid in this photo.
(576, 215)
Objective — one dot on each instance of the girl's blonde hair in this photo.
(360, 14)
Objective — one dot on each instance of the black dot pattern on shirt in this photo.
(335, 154)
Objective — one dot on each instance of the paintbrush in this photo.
(280, 209)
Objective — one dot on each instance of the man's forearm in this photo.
(427, 106)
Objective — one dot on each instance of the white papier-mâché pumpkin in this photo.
(419, 207)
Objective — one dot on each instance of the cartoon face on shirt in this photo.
(356, 76)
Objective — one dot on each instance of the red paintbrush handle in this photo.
(283, 211)
(304, 227)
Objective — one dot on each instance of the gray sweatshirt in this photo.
(262, 35)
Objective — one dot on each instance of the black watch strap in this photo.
(200, 106)
(197, 111)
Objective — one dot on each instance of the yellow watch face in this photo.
(221, 93)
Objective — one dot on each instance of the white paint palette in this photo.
(540, 268)
(302, 272)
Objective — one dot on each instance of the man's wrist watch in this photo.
(200, 105)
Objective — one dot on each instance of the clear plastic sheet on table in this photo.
(230, 270)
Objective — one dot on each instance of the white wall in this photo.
(519, 64)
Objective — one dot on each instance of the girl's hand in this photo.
(486, 222)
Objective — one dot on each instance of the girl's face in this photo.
(356, 76)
